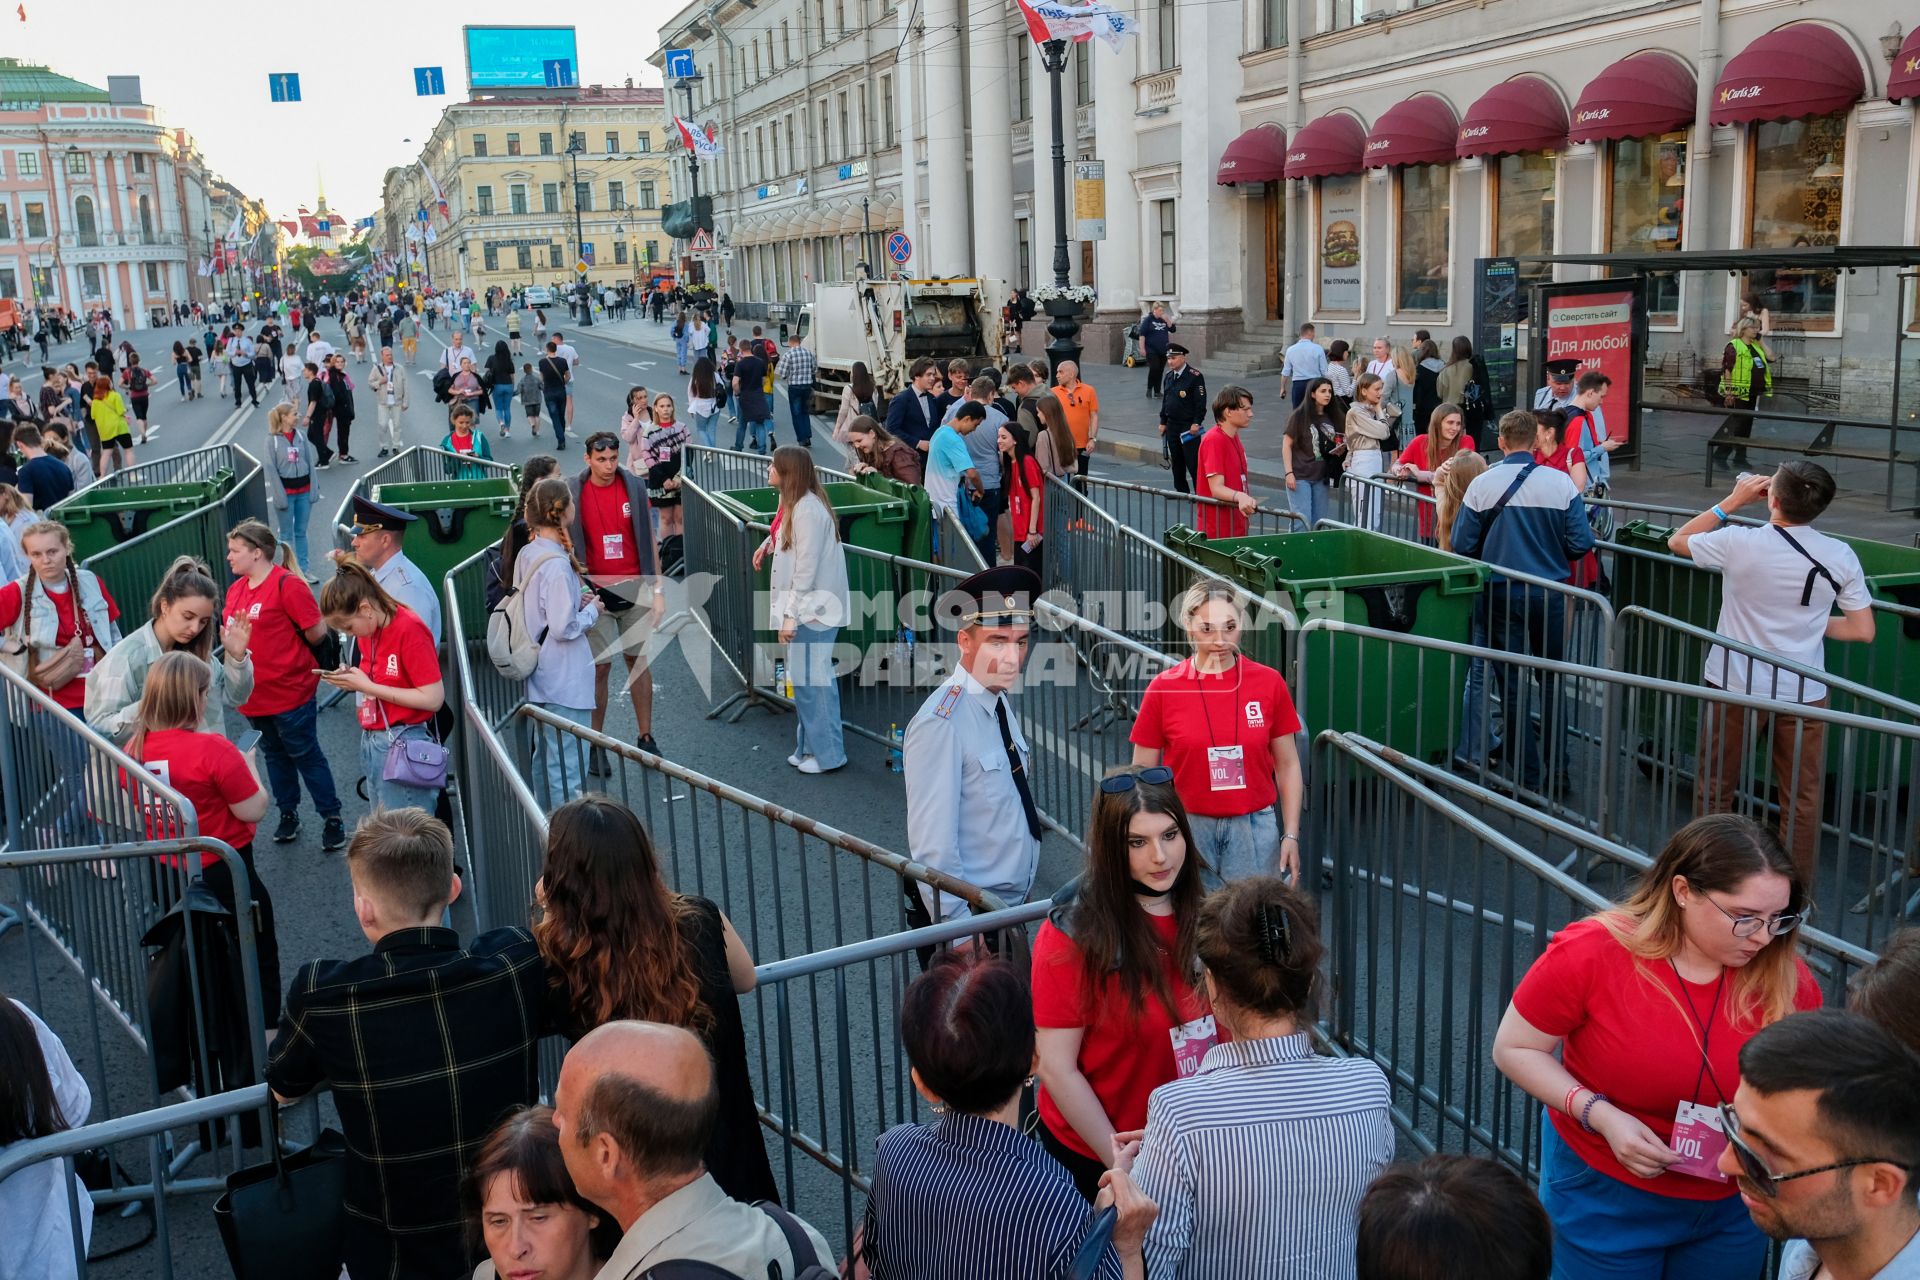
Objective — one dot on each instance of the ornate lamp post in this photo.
(1063, 326)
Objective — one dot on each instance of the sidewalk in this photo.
(1669, 471)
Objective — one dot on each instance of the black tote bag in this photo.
(286, 1219)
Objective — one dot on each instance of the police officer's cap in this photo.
(1175, 349)
(1002, 597)
(377, 517)
(1561, 370)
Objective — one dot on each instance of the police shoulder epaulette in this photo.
(948, 701)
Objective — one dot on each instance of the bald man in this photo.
(634, 1106)
(1082, 404)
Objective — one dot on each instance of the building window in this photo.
(9, 283)
(1646, 190)
(1165, 20)
(577, 140)
(523, 257)
(620, 253)
(36, 220)
(886, 99)
(480, 144)
(490, 257)
(756, 62)
(1798, 170)
(840, 16)
(648, 200)
(517, 197)
(1166, 219)
(6, 222)
(786, 45)
(653, 251)
(583, 196)
(846, 131)
(1523, 200)
(146, 219)
(1273, 23)
(90, 282)
(1022, 84)
(77, 164)
(83, 222)
(549, 197)
(1347, 13)
(26, 164)
(1083, 73)
(513, 144)
(820, 18)
(643, 143)
(613, 142)
(1024, 231)
(546, 144)
(139, 162)
(1422, 196)
(616, 195)
(776, 148)
(554, 256)
(483, 201)
(1336, 284)
(151, 273)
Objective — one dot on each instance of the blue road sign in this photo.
(421, 215)
(899, 248)
(586, 252)
(428, 82)
(558, 72)
(284, 86)
(680, 64)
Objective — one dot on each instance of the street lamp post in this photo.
(693, 156)
(575, 147)
(1064, 325)
(426, 258)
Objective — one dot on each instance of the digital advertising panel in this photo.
(521, 57)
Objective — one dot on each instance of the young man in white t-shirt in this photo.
(566, 352)
(1779, 584)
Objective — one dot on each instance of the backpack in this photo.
(806, 1262)
(510, 648)
(138, 381)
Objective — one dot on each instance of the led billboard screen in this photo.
(521, 58)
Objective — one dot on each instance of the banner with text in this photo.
(1601, 326)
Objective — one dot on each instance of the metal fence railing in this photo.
(414, 465)
(1154, 511)
(132, 569)
(718, 470)
(191, 467)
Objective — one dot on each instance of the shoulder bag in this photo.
(413, 762)
(287, 1219)
(326, 651)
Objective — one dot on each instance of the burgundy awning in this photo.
(1330, 146)
(1802, 69)
(1906, 70)
(1420, 130)
(1258, 155)
(1642, 94)
(1521, 114)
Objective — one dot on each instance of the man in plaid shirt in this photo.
(798, 369)
(425, 1044)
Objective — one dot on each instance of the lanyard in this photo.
(1207, 715)
(1705, 1026)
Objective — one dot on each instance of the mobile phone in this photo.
(248, 741)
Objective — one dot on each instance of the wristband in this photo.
(1290, 836)
(1586, 1112)
(1566, 1104)
(1720, 515)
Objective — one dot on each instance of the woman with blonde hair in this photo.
(809, 604)
(184, 618)
(1450, 483)
(291, 462)
(1402, 371)
(1628, 1029)
(397, 677)
(560, 609)
(15, 517)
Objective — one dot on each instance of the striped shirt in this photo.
(970, 1198)
(1258, 1162)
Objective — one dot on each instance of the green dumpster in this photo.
(917, 541)
(1362, 579)
(457, 518)
(104, 515)
(869, 519)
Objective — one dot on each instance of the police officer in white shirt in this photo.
(377, 531)
(1558, 393)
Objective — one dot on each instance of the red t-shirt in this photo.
(400, 656)
(1221, 454)
(462, 444)
(211, 772)
(1415, 456)
(282, 608)
(606, 516)
(1626, 1032)
(1184, 713)
(1027, 525)
(1123, 1057)
(73, 694)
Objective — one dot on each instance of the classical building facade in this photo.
(533, 186)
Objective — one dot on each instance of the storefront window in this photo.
(1337, 287)
(1799, 171)
(1523, 199)
(1646, 198)
(1423, 195)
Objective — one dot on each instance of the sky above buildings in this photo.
(207, 69)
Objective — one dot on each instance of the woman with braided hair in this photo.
(1260, 1158)
(560, 609)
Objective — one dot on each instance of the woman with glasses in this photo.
(1116, 973)
(1225, 725)
(1647, 1005)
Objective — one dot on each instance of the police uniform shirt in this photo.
(1545, 399)
(963, 810)
(402, 579)
(1183, 400)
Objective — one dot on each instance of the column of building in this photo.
(1116, 263)
(944, 114)
(990, 96)
(1210, 231)
(1040, 123)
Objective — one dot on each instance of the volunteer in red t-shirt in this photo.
(1223, 467)
(1116, 974)
(1426, 453)
(1025, 487)
(397, 677)
(224, 786)
(1225, 725)
(1555, 446)
(1647, 1006)
(270, 614)
(612, 532)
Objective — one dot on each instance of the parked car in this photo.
(537, 295)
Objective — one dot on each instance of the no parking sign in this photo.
(899, 248)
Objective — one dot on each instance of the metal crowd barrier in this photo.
(190, 467)
(132, 569)
(1154, 511)
(1432, 918)
(718, 470)
(414, 465)
(1622, 755)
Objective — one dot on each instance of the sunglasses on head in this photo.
(1765, 1180)
(1121, 783)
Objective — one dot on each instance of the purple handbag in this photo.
(414, 762)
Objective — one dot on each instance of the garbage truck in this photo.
(891, 322)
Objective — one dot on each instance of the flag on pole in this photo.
(22, 11)
(439, 197)
(235, 232)
(699, 141)
(433, 237)
(1053, 20)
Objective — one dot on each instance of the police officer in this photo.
(1558, 393)
(970, 808)
(377, 532)
(1183, 414)
(1154, 331)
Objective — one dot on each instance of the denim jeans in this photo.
(761, 429)
(374, 745)
(1311, 498)
(1529, 620)
(680, 348)
(293, 524)
(503, 405)
(800, 409)
(560, 758)
(290, 749)
(816, 696)
(557, 411)
(184, 374)
(1235, 848)
(1479, 734)
(703, 431)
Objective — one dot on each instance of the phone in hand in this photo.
(247, 741)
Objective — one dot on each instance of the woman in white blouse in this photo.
(809, 593)
(41, 1093)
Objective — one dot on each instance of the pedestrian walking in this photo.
(554, 376)
(612, 521)
(1746, 375)
(798, 369)
(528, 388)
(662, 445)
(513, 331)
(1368, 435)
(108, 414)
(1302, 362)
(240, 366)
(634, 421)
(343, 408)
(388, 383)
(499, 378)
(183, 370)
(704, 390)
(290, 481)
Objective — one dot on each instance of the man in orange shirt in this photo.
(1082, 404)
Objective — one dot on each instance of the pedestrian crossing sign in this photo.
(702, 241)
